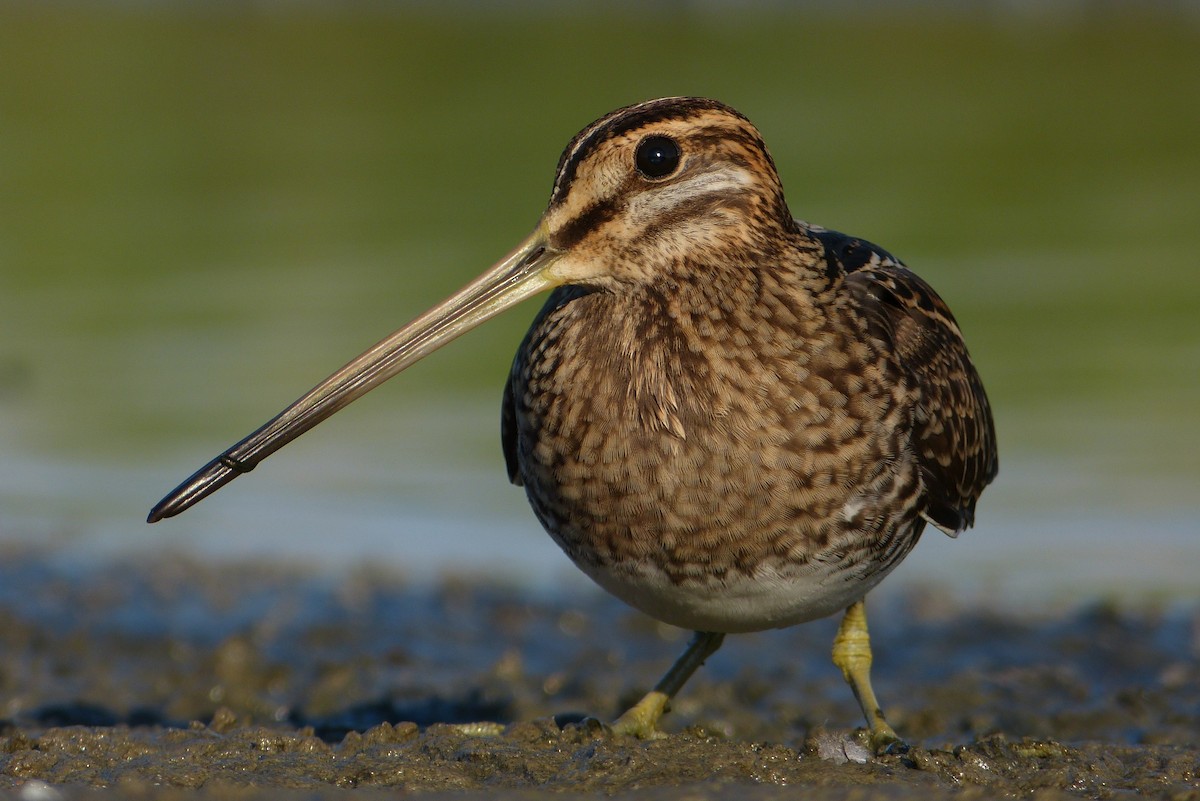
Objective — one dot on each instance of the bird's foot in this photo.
(883, 741)
(641, 720)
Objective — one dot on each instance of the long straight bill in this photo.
(519, 275)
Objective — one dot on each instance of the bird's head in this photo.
(662, 186)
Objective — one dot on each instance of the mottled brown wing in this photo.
(953, 430)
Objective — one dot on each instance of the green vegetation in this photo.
(211, 208)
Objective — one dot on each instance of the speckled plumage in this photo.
(744, 421)
(730, 419)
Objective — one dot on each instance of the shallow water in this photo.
(424, 492)
(198, 221)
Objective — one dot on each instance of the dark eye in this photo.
(657, 156)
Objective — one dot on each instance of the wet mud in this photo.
(176, 678)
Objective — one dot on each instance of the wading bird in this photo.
(730, 419)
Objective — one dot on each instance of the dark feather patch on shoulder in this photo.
(849, 252)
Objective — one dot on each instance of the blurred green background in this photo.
(205, 208)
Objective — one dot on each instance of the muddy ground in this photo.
(177, 678)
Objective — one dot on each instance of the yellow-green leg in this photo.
(641, 720)
(852, 655)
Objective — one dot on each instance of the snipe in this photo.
(729, 419)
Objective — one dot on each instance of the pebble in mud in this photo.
(320, 684)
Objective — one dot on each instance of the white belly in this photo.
(769, 599)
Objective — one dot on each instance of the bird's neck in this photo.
(685, 341)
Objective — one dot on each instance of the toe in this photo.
(641, 720)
